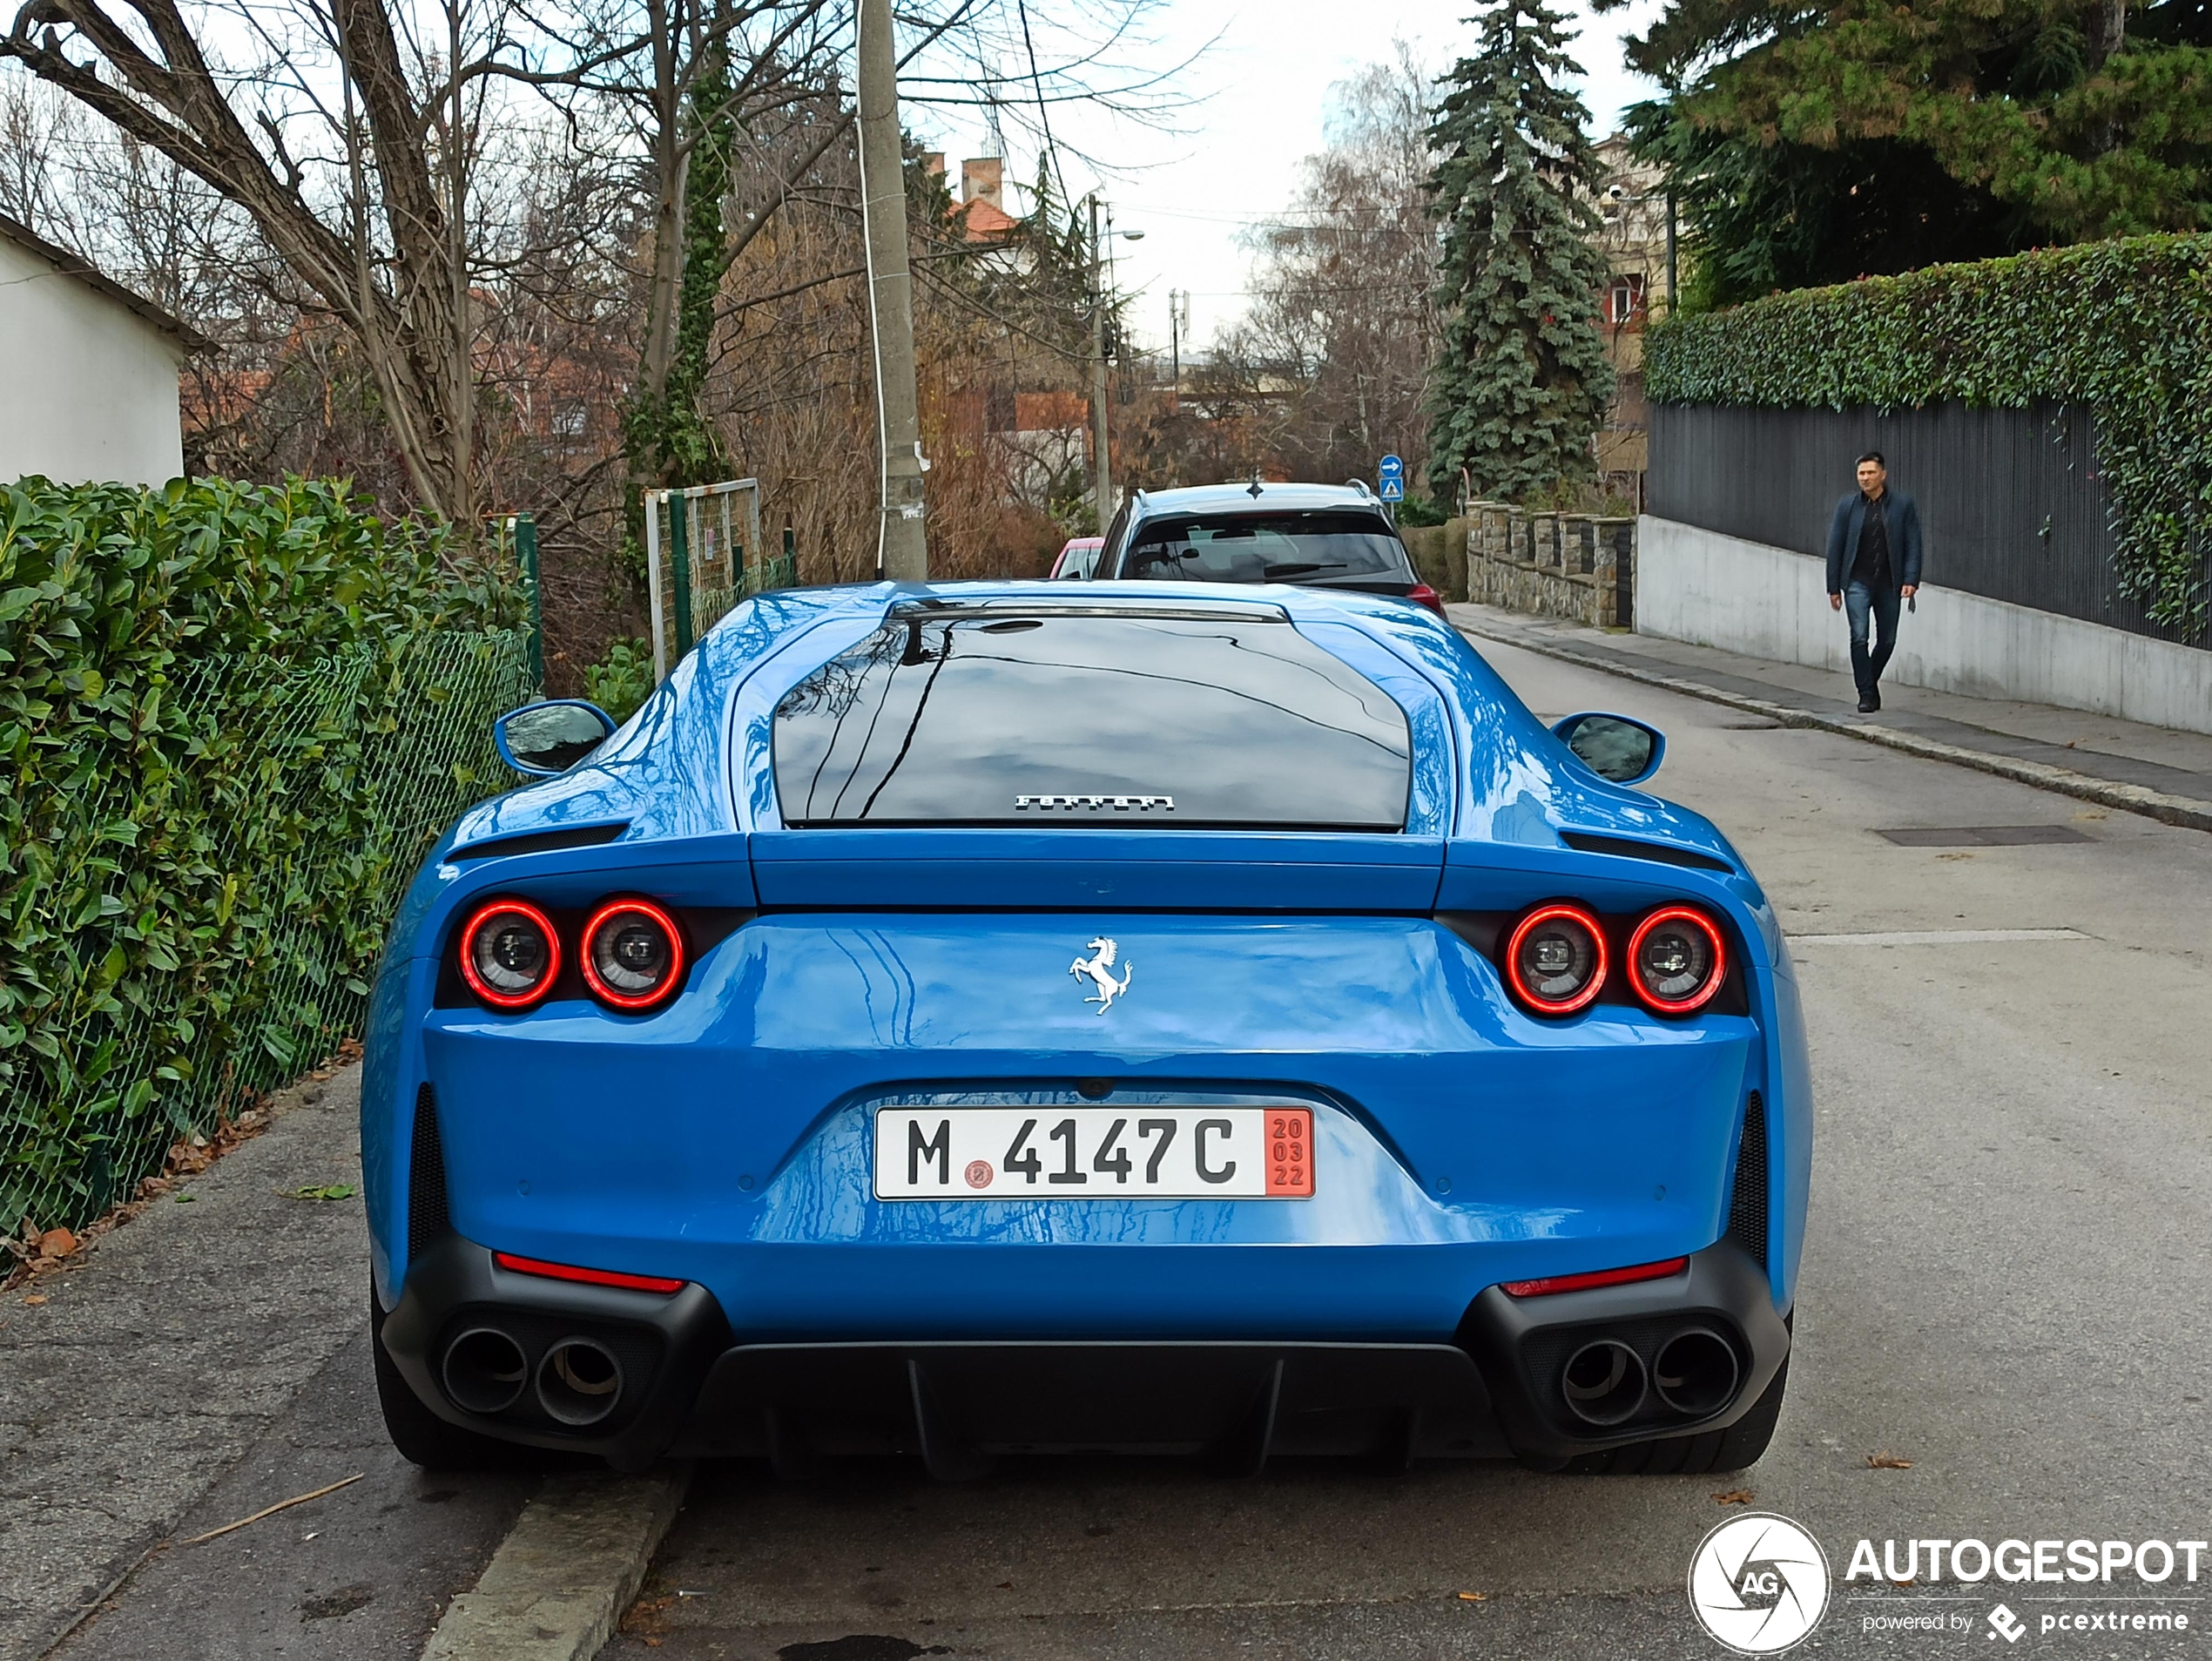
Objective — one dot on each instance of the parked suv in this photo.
(1316, 536)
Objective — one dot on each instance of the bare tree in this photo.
(1334, 351)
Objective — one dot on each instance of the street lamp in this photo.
(1101, 476)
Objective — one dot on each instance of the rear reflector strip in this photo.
(1597, 1278)
(586, 1276)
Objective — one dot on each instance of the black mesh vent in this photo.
(425, 1176)
(1747, 1206)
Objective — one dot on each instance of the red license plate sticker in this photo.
(1290, 1151)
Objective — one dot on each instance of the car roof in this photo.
(662, 774)
(1288, 497)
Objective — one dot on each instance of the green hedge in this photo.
(2122, 329)
(231, 718)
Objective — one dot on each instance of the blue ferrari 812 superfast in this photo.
(979, 1019)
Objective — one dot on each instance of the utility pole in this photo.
(1671, 252)
(902, 546)
(1103, 484)
(1175, 348)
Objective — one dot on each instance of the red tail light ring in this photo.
(1422, 594)
(1680, 984)
(633, 954)
(510, 953)
(1556, 959)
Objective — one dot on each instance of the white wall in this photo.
(89, 389)
(1767, 602)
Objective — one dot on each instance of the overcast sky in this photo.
(1265, 85)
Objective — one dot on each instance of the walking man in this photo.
(1873, 564)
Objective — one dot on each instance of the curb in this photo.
(557, 1586)
(2134, 798)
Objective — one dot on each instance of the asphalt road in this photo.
(2005, 1285)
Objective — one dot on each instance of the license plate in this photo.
(1094, 1153)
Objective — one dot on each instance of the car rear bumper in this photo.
(686, 1384)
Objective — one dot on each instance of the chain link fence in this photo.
(224, 899)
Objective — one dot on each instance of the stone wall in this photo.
(1575, 565)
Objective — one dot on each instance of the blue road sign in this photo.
(1393, 488)
(1390, 467)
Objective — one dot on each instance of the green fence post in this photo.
(790, 572)
(526, 556)
(679, 567)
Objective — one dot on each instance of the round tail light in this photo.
(510, 953)
(1676, 959)
(633, 954)
(1556, 959)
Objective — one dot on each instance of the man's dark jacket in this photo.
(1901, 518)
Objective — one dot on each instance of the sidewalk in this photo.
(2151, 770)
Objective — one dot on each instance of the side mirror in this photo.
(1613, 746)
(544, 740)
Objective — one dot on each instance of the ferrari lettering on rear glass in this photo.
(1094, 1153)
(1068, 804)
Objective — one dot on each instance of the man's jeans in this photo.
(1860, 601)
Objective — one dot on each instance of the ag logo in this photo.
(1759, 1583)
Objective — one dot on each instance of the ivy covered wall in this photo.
(2121, 330)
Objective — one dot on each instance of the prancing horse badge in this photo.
(1099, 968)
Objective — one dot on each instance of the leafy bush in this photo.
(623, 680)
(230, 716)
(2122, 329)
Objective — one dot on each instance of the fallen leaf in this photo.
(1735, 1496)
(329, 1190)
(36, 1298)
(1474, 1597)
(1887, 1462)
(187, 1199)
(56, 1242)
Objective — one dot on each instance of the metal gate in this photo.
(703, 555)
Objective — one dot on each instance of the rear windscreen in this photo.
(1263, 548)
(1127, 720)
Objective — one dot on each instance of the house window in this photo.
(1625, 303)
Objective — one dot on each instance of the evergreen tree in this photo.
(1523, 380)
(1811, 143)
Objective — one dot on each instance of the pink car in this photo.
(1079, 559)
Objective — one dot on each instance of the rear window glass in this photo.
(1266, 548)
(1124, 719)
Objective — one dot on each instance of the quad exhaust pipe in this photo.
(579, 1382)
(485, 1371)
(1694, 1373)
(1603, 1382)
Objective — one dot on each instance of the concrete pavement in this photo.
(202, 1361)
(2151, 770)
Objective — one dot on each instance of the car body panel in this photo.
(725, 1140)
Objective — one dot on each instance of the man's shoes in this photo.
(1869, 704)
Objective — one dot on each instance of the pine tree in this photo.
(1522, 378)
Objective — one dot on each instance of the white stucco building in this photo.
(88, 371)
